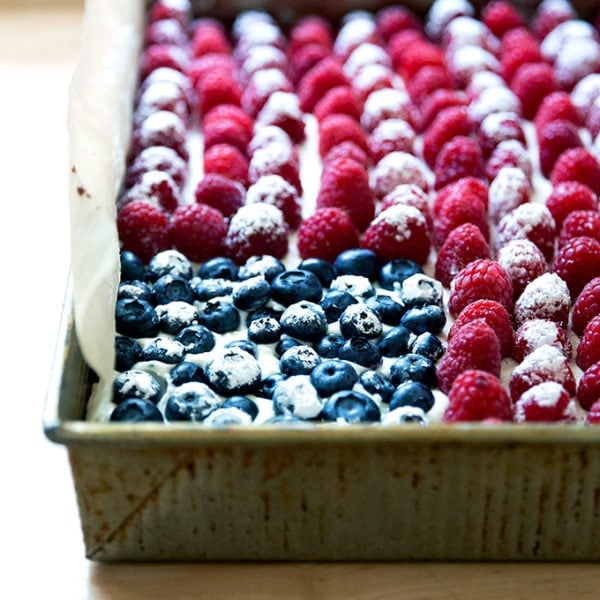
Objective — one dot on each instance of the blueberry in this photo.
(286, 420)
(418, 290)
(164, 350)
(135, 383)
(412, 393)
(196, 339)
(329, 345)
(219, 268)
(428, 345)
(233, 373)
(296, 285)
(219, 316)
(242, 403)
(132, 266)
(262, 313)
(246, 345)
(268, 385)
(252, 293)
(360, 320)
(376, 384)
(136, 318)
(266, 265)
(169, 262)
(264, 331)
(175, 316)
(285, 343)
(396, 341)
(207, 289)
(299, 360)
(296, 397)
(357, 261)
(332, 376)
(135, 289)
(321, 268)
(185, 372)
(390, 312)
(357, 285)
(127, 352)
(420, 319)
(305, 321)
(226, 417)
(361, 351)
(334, 302)
(170, 288)
(135, 410)
(405, 415)
(413, 367)
(192, 401)
(350, 406)
(395, 271)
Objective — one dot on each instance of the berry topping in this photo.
(545, 402)
(338, 100)
(523, 261)
(460, 157)
(586, 306)
(350, 407)
(546, 297)
(337, 128)
(569, 196)
(588, 389)
(540, 332)
(588, 351)
(275, 190)
(578, 262)
(449, 123)
(322, 77)
(398, 168)
(508, 189)
(554, 138)
(143, 229)
(220, 192)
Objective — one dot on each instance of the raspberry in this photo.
(577, 164)
(545, 363)
(157, 158)
(467, 187)
(463, 245)
(158, 55)
(399, 231)
(584, 94)
(509, 153)
(256, 229)
(442, 13)
(393, 135)
(198, 231)
(345, 185)
(588, 351)
(460, 157)
(260, 87)
(326, 233)
(482, 279)
(157, 95)
(420, 54)
(400, 42)
(347, 150)
(275, 190)
(166, 32)
(409, 195)
(518, 47)
(523, 261)
(220, 192)
(161, 128)
(593, 417)
(267, 135)
(578, 262)
(545, 402)
(555, 106)
(276, 158)
(398, 168)
(371, 79)
(554, 138)
(305, 58)
(549, 14)
(426, 81)
(592, 119)
(495, 315)
(546, 297)
(468, 31)
(477, 396)
(508, 190)
(363, 56)
(437, 102)
(325, 75)
(586, 306)
(468, 59)
(449, 123)
(209, 63)
(540, 332)
(501, 16)
(166, 9)
(338, 128)
(588, 389)
(531, 83)
(359, 28)
(492, 99)
(580, 223)
(142, 229)
(282, 110)
(214, 88)
(225, 131)
(392, 19)
(262, 57)
(569, 196)
(338, 100)
(240, 123)
(385, 104)
(208, 38)
(577, 58)
(310, 30)
(474, 346)
(499, 127)
(226, 160)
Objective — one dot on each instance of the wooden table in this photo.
(41, 550)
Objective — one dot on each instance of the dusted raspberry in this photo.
(198, 231)
(325, 75)
(467, 60)
(569, 196)
(256, 229)
(345, 185)
(399, 44)
(393, 135)
(493, 99)
(305, 58)
(364, 56)
(483, 279)
(371, 79)
(467, 187)
(519, 47)
(546, 363)
(509, 189)
(540, 332)
(546, 297)
(214, 88)
(327, 233)
(578, 262)
(437, 102)
(554, 138)
(585, 93)
(588, 389)
(532, 82)
(588, 351)
(460, 157)
(501, 16)
(276, 158)
(338, 128)
(268, 135)
(409, 195)
(593, 417)
(158, 55)
(161, 128)
(275, 190)
(557, 106)
(392, 19)
(142, 228)
(442, 13)
(463, 245)
(549, 14)
(282, 109)
(264, 34)
(580, 223)
(338, 100)
(469, 31)
(156, 187)
(223, 64)
(398, 168)
(499, 127)
(180, 10)
(166, 32)
(356, 29)
(347, 150)
(225, 131)
(546, 402)
(384, 104)
(592, 120)
(477, 396)
(157, 158)
(577, 164)
(161, 95)
(523, 261)
(260, 87)
(311, 29)
(226, 160)
(577, 58)
(586, 306)
(495, 315)
(474, 346)
(426, 81)
(209, 38)
(509, 153)
(261, 57)
(399, 232)
(449, 123)
(220, 192)
(419, 54)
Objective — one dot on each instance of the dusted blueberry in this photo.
(127, 352)
(357, 261)
(245, 345)
(196, 339)
(185, 372)
(305, 321)
(350, 406)
(321, 268)
(377, 384)
(164, 350)
(192, 401)
(262, 313)
(136, 384)
(299, 360)
(252, 293)
(419, 290)
(335, 302)
(268, 385)
(412, 393)
(219, 268)
(136, 318)
(235, 372)
(405, 415)
(135, 289)
(332, 376)
(226, 417)
(356, 285)
(394, 272)
(296, 397)
(361, 351)
(329, 345)
(220, 316)
(169, 262)
(390, 312)
(428, 345)
(420, 319)
(135, 410)
(296, 285)
(207, 289)
(132, 266)
(413, 367)
(266, 265)
(175, 316)
(360, 320)
(285, 343)
(242, 403)
(396, 341)
(169, 288)
(264, 331)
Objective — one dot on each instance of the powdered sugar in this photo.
(398, 168)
